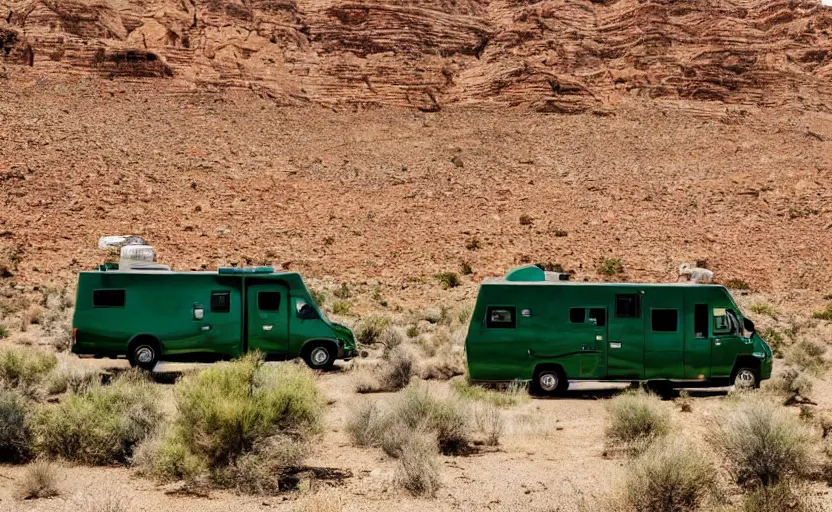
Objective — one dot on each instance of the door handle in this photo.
(615, 344)
(267, 327)
(717, 342)
(206, 327)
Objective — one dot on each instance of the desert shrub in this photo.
(807, 355)
(790, 386)
(444, 365)
(390, 338)
(318, 296)
(684, 402)
(15, 428)
(418, 466)
(343, 292)
(366, 424)
(764, 309)
(236, 409)
(763, 444)
(824, 314)
(72, 377)
(775, 339)
(259, 471)
(473, 244)
(515, 393)
(636, 418)
(341, 307)
(671, 475)
(395, 373)
(490, 422)
(737, 284)
(465, 268)
(395, 436)
(39, 481)
(777, 498)
(448, 279)
(101, 425)
(610, 266)
(24, 368)
(4, 331)
(412, 331)
(369, 329)
(447, 416)
(526, 220)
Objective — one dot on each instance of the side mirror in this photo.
(199, 312)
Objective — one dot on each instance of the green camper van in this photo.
(152, 315)
(531, 326)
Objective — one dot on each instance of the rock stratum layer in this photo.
(552, 55)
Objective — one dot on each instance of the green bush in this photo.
(824, 314)
(234, 416)
(448, 279)
(636, 419)
(671, 475)
(764, 309)
(763, 444)
(413, 331)
(516, 393)
(343, 292)
(24, 368)
(775, 339)
(778, 498)
(341, 307)
(611, 266)
(369, 329)
(4, 331)
(418, 466)
(15, 428)
(70, 376)
(101, 425)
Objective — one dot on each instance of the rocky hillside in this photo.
(552, 55)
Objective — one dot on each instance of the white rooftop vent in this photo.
(555, 276)
(139, 257)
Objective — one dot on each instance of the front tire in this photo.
(320, 356)
(549, 382)
(746, 378)
(144, 354)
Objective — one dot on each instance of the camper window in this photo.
(627, 306)
(599, 316)
(576, 315)
(220, 302)
(501, 318)
(268, 301)
(108, 298)
(700, 320)
(665, 320)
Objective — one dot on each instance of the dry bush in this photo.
(808, 355)
(490, 422)
(778, 498)
(40, 481)
(69, 376)
(238, 420)
(394, 374)
(447, 416)
(24, 368)
(636, 419)
(515, 393)
(366, 424)
(671, 475)
(763, 444)
(790, 386)
(418, 466)
(15, 428)
(101, 425)
(390, 338)
(684, 402)
(394, 437)
(370, 328)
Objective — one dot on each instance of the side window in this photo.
(576, 315)
(725, 322)
(700, 320)
(501, 317)
(268, 301)
(599, 315)
(220, 302)
(304, 311)
(665, 320)
(628, 306)
(108, 298)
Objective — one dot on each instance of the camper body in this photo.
(550, 332)
(153, 315)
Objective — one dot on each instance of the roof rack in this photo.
(246, 270)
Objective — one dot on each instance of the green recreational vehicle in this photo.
(152, 315)
(549, 331)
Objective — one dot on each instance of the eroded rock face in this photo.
(553, 55)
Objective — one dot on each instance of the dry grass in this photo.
(784, 496)
(515, 393)
(636, 418)
(671, 475)
(418, 466)
(39, 481)
(489, 422)
(366, 424)
(70, 376)
(395, 373)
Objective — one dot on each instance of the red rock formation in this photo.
(554, 55)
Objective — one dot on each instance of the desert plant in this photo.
(669, 476)
(395, 373)
(418, 466)
(259, 470)
(390, 338)
(777, 498)
(343, 292)
(71, 376)
(791, 385)
(610, 266)
(824, 314)
(235, 409)
(737, 284)
(101, 425)
(473, 244)
(465, 268)
(490, 422)
(366, 424)
(413, 331)
(341, 307)
(763, 444)
(807, 355)
(15, 428)
(447, 416)
(775, 340)
(4, 331)
(636, 419)
(526, 220)
(684, 402)
(24, 368)
(448, 279)
(318, 296)
(369, 329)
(764, 309)
(517, 392)
(39, 481)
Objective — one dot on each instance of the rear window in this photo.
(108, 298)
(220, 302)
(576, 315)
(501, 318)
(268, 301)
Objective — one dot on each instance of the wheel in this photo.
(549, 382)
(747, 378)
(320, 356)
(144, 354)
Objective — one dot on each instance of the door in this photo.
(593, 363)
(726, 342)
(697, 341)
(267, 310)
(664, 335)
(625, 341)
